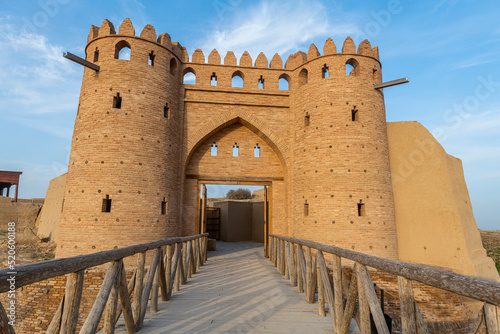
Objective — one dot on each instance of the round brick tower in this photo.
(122, 180)
(341, 176)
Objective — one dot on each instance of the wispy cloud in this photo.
(273, 26)
(36, 80)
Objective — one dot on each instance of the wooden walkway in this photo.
(236, 291)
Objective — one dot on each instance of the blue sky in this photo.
(450, 49)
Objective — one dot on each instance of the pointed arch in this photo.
(258, 127)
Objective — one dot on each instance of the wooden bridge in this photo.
(236, 292)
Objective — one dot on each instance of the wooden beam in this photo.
(468, 286)
(125, 302)
(391, 83)
(72, 299)
(373, 302)
(81, 61)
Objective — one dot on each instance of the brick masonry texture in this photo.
(156, 147)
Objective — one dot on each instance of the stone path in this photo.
(236, 291)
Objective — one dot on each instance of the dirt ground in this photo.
(491, 242)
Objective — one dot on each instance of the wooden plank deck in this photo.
(237, 291)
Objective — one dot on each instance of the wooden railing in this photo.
(174, 261)
(293, 258)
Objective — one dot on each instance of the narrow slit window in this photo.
(173, 66)
(375, 75)
(306, 209)
(166, 111)
(325, 72)
(213, 80)
(117, 101)
(307, 119)
(256, 151)
(236, 150)
(355, 114)
(261, 82)
(96, 55)
(151, 60)
(164, 206)
(106, 204)
(361, 209)
(213, 150)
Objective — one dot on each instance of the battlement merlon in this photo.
(294, 61)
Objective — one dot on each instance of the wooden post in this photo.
(282, 257)
(74, 287)
(177, 266)
(147, 287)
(270, 252)
(192, 259)
(351, 302)
(321, 293)
(197, 261)
(275, 250)
(125, 302)
(130, 289)
(266, 224)
(337, 290)
(156, 286)
(163, 278)
(407, 304)
(421, 325)
(187, 261)
(288, 265)
(183, 271)
(139, 281)
(4, 322)
(491, 318)
(111, 306)
(298, 266)
(373, 302)
(327, 284)
(205, 245)
(364, 310)
(302, 267)
(92, 322)
(204, 210)
(168, 270)
(293, 266)
(54, 326)
(311, 277)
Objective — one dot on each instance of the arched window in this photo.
(173, 66)
(96, 55)
(213, 80)
(351, 67)
(122, 50)
(236, 150)
(303, 77)
(237, 80)
(213, 150)
(325, 73)
(284, 82)
(151, 59)
(189, 77)
(256, 151)
(261, 82)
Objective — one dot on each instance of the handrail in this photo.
(170, 266)
(39, 271)
(468, 286)
(356, 298)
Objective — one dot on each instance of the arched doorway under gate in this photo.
(235, 154)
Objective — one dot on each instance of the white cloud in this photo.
(273, 26)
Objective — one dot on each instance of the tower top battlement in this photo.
(294, 60)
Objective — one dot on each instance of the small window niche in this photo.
(151, 59)
(164, 206)
(256, 151)
(375, 75)
(106, 204)
(361, 208)
(306, 209)
(213, 80)
(307, 119)
(173, 66)
(325, 73)
(117, 101)
(355, 114)
(213, 150)
(261, 82)
(96, 55)
(236, 150)
(166, 111)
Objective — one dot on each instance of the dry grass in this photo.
(491, 242)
